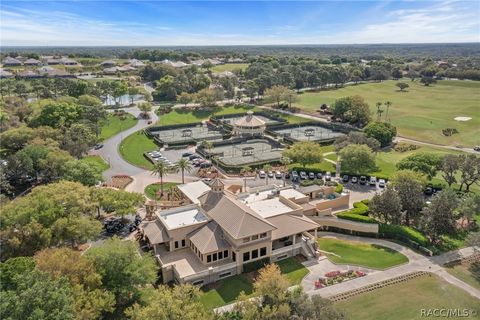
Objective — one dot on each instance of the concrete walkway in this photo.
(416, 262)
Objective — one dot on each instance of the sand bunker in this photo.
(462, 118)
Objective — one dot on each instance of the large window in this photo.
(255, 237)
(246, 256)
(255, 254)
(263, 251)
(183, 243)
(225, 254)
(245, 240)
(176, 244)
(209, 258)
(263, 235)
(234, 256)
(220, 255)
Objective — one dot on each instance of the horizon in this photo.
(231, 23)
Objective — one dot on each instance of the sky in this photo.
(163, 23)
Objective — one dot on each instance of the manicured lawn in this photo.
(322, 166)
(461, 272)
(133, 147)
(229, 67)
(421, 112)
(363, 254)
(404, 301)
(227, 290)
(114, 125)
(96, 161)
(187, 116)
(152, 189)
(332, 156)
(293, 270)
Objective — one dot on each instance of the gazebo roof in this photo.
(249, 121)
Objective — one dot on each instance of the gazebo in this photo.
(249, 125)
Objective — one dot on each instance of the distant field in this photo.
(229, 67)
(404, 301)
(420, 113)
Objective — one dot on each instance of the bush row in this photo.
(392, 230)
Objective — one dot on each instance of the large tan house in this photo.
(216, 235)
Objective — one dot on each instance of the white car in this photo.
(373, 181)
(270, 174)
(262, 174)
(328, 176)
(278, 175)
(381, 183)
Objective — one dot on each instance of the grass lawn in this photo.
(152, 189)
(363, 254)
(187, 116)
(229, 67)
(293, 270)
(227, 290)
(405, 300)
(322, 166)
(421, 112)
(96, 161)
(114, 125)
(461, 272)
(133, 147)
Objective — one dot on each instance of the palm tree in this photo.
(285, 161)
(379, 111)
(183, 165)
(267, 168)
(245, 170)
(388, 104)
(161, 169)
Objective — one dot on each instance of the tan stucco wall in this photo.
(341, 201)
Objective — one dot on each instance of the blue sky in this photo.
(153, 23)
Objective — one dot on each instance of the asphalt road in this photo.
(110, 153)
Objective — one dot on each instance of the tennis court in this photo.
(309, 133)
(194, 133)
(246, 153)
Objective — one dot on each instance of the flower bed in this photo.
(334, 277)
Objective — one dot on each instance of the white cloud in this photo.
(438, 22)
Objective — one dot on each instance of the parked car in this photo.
(328, 176)
(294, 176)
(373, 181)
(311, 175)
(187, 154)
(303, 175)
(262, 174)
(381, 183)
(193, 156)
(287, 175)
(428, 191)
(98, 146)
(205, 164)
(363, 180)
(278, 175)
(319, 175)
(270, 174)
(476, 148)
(345, 178)
(354, 179)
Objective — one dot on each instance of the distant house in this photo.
(32, 62)
(53, 73)
(136, 63)
(5, 74)
(11, 62)
(175, 64)
(29, 74)
(53, 61)
(68, 62)
(108, 64)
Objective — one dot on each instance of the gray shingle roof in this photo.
(209, 238)
(288, 224)
(235, 218)
(154, 231)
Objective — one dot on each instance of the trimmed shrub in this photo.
(255, 265)
(339, 188)
(355, 217)
(399, 232)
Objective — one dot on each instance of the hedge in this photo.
(355, 217)
(255, 265)
(339, 188)
(403, 231)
